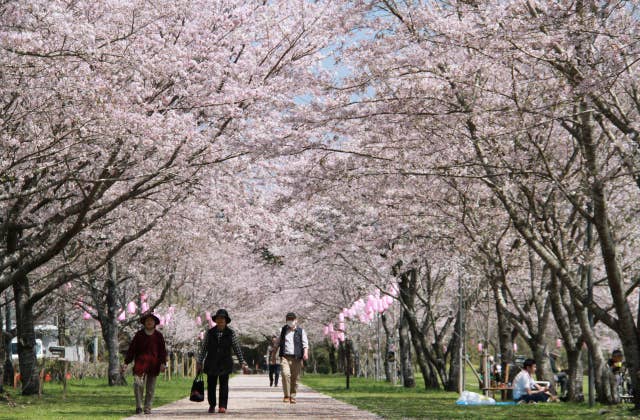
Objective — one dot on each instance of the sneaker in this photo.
(222, 410)
(286, 399)
(147, 411)
(212, 410)
(293, 400)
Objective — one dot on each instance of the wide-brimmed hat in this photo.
(146, 315)
(224, 313)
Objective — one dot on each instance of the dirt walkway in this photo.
(250, 397)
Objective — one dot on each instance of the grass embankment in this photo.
(395, 402)
(88, 398)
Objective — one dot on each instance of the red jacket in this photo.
(148, 351)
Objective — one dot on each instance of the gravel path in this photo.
(250, 397)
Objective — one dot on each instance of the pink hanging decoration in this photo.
(145, 307)
(559, 343)
(515, 346)
(480, 347)
(122, 316)
(86, 316)
(131, 307)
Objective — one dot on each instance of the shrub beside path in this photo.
(250, 397)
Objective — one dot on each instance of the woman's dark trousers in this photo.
(274, 373)
(224, 390)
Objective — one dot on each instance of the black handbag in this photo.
(197, 389)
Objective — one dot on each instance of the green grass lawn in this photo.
(88, 399)
(395, 402)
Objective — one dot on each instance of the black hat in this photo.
(223, 313)
(291, 315)
(148, 314)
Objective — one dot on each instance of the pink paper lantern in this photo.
(131, 307)
(145, 307)
(515, 346)
(559, 343)
(86, 316)
(480, 347)
(122, 316)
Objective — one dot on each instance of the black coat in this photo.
(218, 360)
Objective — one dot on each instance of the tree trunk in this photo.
(26, 337)
(575, 375)
(355, 357)
(603, 389)
(453, 349)
(387, 349)
(505, 340)
(332, 357)
(406, 366)
(3, 352)
(62, 327)
(407, 288)
(110, 327)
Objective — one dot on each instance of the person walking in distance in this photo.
(273, 361)
(149, 354)
(215, 360)
(294, 349)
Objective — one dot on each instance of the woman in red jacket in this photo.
(149, 354)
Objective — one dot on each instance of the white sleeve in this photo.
(305, 341)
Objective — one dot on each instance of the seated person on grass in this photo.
(525, 389)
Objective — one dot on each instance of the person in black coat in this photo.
(215, 359)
